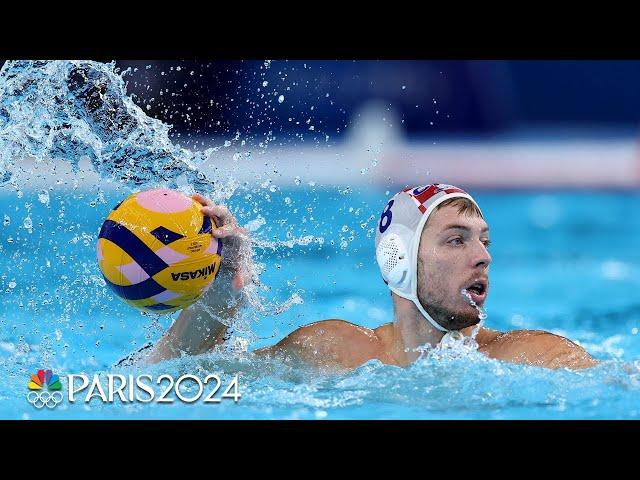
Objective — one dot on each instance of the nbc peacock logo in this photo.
(44, 389)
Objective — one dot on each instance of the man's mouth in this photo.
(478, 291)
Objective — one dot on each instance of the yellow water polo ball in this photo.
(156, 250)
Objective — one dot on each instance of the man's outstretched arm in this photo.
(200, 326)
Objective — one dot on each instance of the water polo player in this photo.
(432, 248)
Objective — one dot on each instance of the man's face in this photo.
(453, 256)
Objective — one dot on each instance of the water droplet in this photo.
(281, 99)
(265, 83)
(297, 181)
(6, 221)
(12, 284)
(43, 196)
(28, 223)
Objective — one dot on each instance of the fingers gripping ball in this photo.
(156, 251)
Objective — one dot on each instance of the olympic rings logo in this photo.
(42, 399)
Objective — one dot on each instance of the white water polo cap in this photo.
(398, 237)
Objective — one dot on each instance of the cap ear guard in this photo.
(394, 259)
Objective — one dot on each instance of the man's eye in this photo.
(455, 241)
(487, 243)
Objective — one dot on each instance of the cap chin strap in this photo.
(449, 335)
(421, 309)
(428, 317)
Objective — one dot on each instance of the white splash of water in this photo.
(68, 110)
(481, 314)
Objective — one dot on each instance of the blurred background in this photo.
(491, 124)
(494, 124)
(479, 97)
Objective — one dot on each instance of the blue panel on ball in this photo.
(165, 235)
(159, 306)
(206, 225)
(133, 246)
(139, 291)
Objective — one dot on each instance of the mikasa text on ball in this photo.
(156, 250)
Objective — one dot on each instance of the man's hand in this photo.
(236, 248)
(200, 326)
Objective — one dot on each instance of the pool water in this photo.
(566, 262)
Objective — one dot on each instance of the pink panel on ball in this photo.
(166, 296)
(169, 255)
(133, 272)
(162, 200)
(213, 246)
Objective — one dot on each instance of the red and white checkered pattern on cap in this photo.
(421, 195)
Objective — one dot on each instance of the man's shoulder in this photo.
(337, 325)
(539, 338)
(538, 347)
(332, 342)
(337, 333)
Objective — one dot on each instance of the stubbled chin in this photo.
(463, 319)
(464, 315)
(468, 315)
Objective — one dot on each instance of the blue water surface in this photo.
(564, 262)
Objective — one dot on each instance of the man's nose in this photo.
(481, 256)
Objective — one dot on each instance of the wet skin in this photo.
(453, 255)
